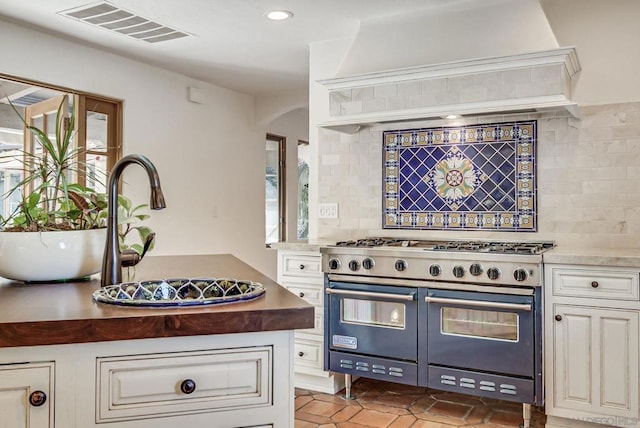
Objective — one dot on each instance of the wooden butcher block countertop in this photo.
(61, 313)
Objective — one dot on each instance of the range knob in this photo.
(354, 265)
(476, 269)
(435, 270)
(458, 271)
(368, 263)
(334, 264)
(520, 274)
(493, 273)
(400, 265)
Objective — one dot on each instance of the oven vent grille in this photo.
(110, 17)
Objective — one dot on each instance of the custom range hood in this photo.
(530, 82)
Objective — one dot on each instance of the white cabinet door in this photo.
(20, 386)
(595, 364)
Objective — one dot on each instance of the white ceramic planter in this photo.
(51, 256)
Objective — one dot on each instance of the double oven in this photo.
(455, 316)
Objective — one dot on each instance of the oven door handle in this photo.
(408, 297)
(479, 303)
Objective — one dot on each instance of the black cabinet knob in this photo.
(301, 294)
(37, 398)
(558, 317)
(595, 284)
(301, 267)
(187, 386)
(300, 354)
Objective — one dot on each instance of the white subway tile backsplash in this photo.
(360, 94)
(373, 104)
(425, 100)
(516, 76)
(385, 91)
(532, 89)
(329, 159)
(341, 96)
(588, 170)
(547, 73)
(596, 187)
(474, 94)
(408, 89)
(396, 103)
(629, 131)
(610, 173)
(351, 107)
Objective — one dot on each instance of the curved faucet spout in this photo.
(112, 258)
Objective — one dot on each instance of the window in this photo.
(97, 133)
(275, 226)
(303, 190)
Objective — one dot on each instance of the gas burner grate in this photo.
(496, 247)
(370, 242)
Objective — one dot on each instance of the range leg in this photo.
(526, 415)
(347, 386)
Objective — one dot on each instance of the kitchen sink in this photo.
(177, 292)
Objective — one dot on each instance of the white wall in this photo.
(206, 154)
(606, 35)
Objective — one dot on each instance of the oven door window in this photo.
(373, 313)
(484, 324)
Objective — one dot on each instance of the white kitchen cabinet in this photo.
(592, 344)
(226, 381)
(26, 395)
(301, 273)
(135, 386)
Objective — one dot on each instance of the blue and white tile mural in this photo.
(478, 177)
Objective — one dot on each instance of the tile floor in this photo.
(378, 404)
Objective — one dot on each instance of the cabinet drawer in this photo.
(143, 386)
(310, 293)
(308, 353)
(302, 266)
(598, 283)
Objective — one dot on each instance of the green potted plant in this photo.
(57, 231)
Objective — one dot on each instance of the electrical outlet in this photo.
(328, 210)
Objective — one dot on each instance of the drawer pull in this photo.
(558, 317)
(37, 398)
(594, 284)
(187, 386)
(301, 294)
(302, 267)
(300, 354)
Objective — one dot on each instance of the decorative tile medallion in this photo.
(477, 177)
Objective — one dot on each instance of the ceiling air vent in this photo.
(110, 17)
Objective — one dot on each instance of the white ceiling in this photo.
(233, 44)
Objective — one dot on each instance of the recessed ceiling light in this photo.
(451, 116)
(279, 15)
